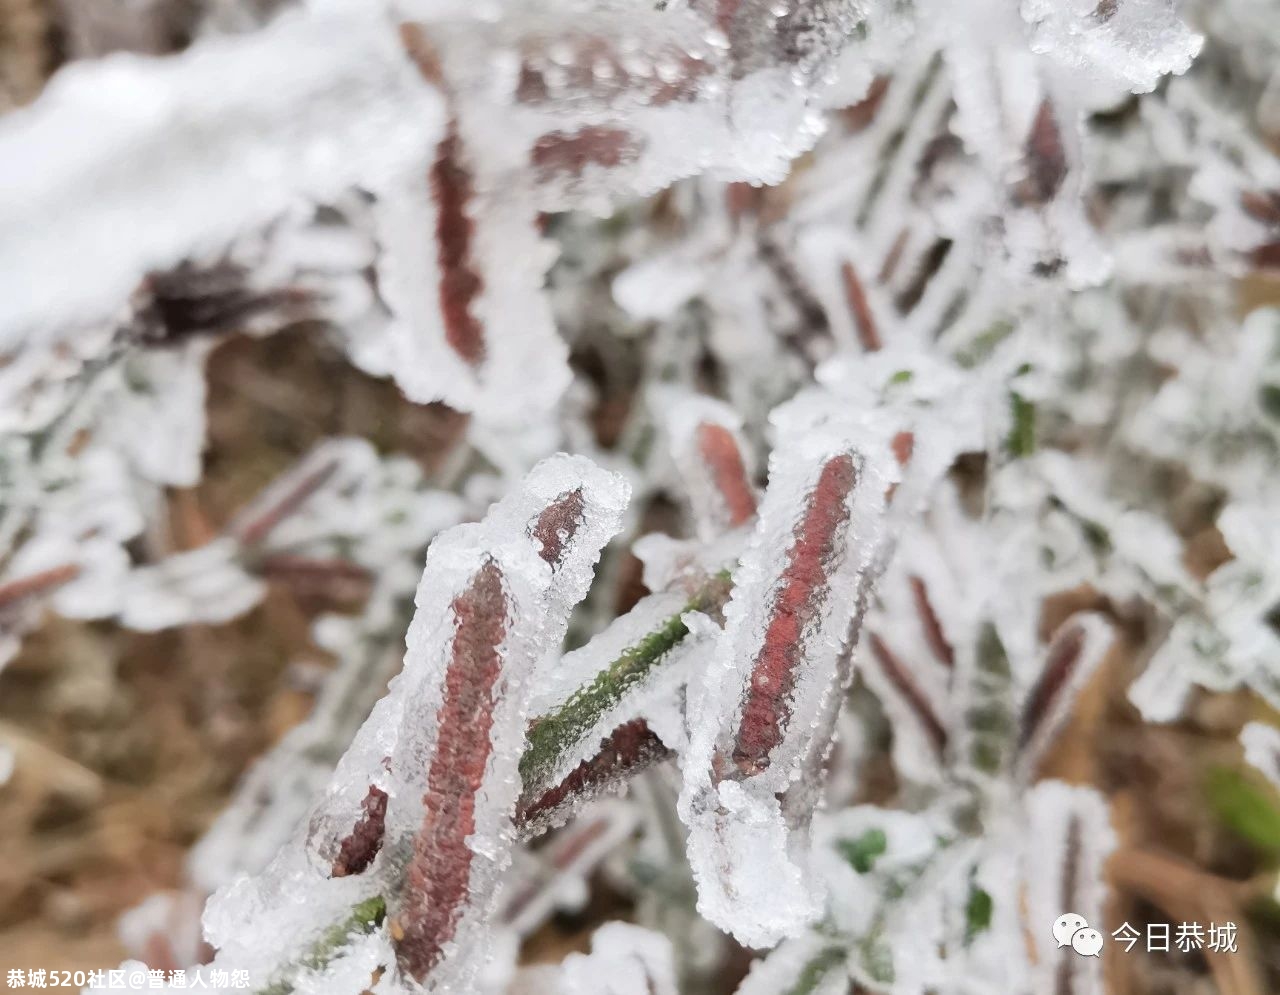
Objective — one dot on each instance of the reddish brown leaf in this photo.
(257, 529)
(802, 591)
(557, 525)
(569, 153)
(576, 839)
(933, 634)
(437, 880)
(903, 445)
(422, 52)
(1046, 159)
(14, 591)
(453, 190)
(190, 300)
(629, 749)
(893, 257)
(307, 576)
(1064, 656)
(719, 452)
(856, 295)
(361, 845)
(902, 681)
(926, 270)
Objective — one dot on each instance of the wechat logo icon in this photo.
(1073, 930)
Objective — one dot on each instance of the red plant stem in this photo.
(1064, 976)
(567, 849)
(1064, 657)
(933, 633)
(719, 452)
(802, 591)
(255, 531)
(893, 257)
(906, 686)
(856, 295)
(283, 566)
(437, 884)
(14, 591)
(743, 200)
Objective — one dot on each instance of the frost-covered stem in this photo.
(364, 918)
(22, 588)
(817, 969)
(439, 873)
(900, 679)
(933, 631)
(632, 746)
(718, 449)
(868, 332)
(803, 589)
(312, 572)
(629, 749)
(262, 524)
(554, 735)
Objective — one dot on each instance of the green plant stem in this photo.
(364, 919)
(555, 734)
(817, 969)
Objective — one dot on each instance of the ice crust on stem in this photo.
(760, 701)
(445, 742)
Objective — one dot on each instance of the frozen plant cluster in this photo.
(922, 313)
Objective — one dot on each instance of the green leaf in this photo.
(1269, 399)
(990, 716)
(977, 913)
(862, 852)
(1248, 808)
(1022, 436)
(817, 969)
(984, 344)
(365, 917)
(877, 957)
(556, 733)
